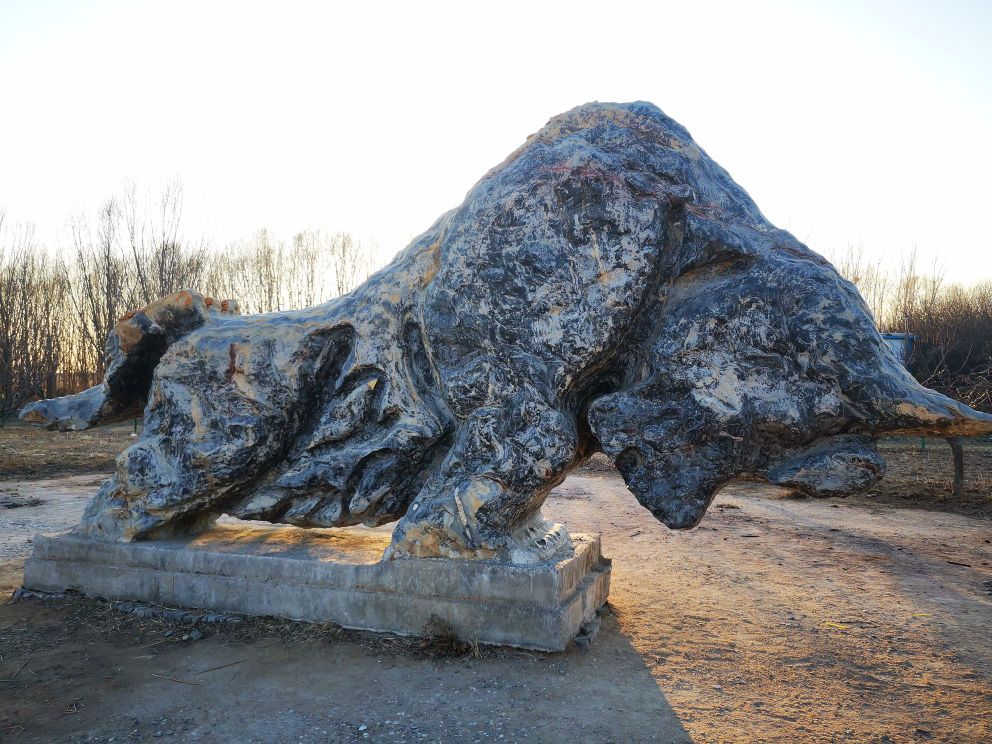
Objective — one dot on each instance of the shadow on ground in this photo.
(86, 678)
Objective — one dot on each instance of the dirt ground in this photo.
(778, 619)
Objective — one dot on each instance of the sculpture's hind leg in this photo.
(224, 402)
(135, 345)
(485, 501)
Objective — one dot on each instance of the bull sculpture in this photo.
(607, 287)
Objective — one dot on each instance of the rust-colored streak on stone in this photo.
(232, 366)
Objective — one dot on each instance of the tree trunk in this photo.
(957, 450)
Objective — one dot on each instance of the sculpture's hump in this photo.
(641, 119)
(637, 115)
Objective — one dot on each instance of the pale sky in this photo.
(848, 122)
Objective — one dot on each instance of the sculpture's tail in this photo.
(134, 348)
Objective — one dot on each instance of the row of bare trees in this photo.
(32, 311)
(57, 308)
(265, 274)
(952, 324)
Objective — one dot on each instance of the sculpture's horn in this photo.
(924, 412)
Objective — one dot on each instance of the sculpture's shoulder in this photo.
(559, 250)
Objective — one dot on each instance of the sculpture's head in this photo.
(765, 364)
(759, 359)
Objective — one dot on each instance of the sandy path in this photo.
(824, 620)
(777, 620)
(62, 501)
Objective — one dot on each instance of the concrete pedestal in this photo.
(335, 576)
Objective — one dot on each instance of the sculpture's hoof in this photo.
(540, 541)
(536, 541)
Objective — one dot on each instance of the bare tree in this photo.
(351, 261)
(56, 313)
(102, 281)
(870, 279)
(952, 326)
(250, 271)
(308, 265)
(264, 274)
(32, 316)
(164, 262)
(135, 254)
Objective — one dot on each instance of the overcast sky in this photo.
(848, 122)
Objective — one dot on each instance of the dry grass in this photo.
(30, 453)
(919, 474)
(86, 620)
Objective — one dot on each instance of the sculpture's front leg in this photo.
(485, 501)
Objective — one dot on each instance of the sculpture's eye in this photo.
(629, 460)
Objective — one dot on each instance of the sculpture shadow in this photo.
(605, 694)
(613, 682)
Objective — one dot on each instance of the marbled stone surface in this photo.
(608, 286)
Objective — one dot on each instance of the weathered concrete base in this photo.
(335, 576)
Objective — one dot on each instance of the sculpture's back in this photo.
(607, 287)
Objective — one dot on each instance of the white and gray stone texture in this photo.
(608, 287)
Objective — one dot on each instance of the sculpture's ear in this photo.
(829, 467)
